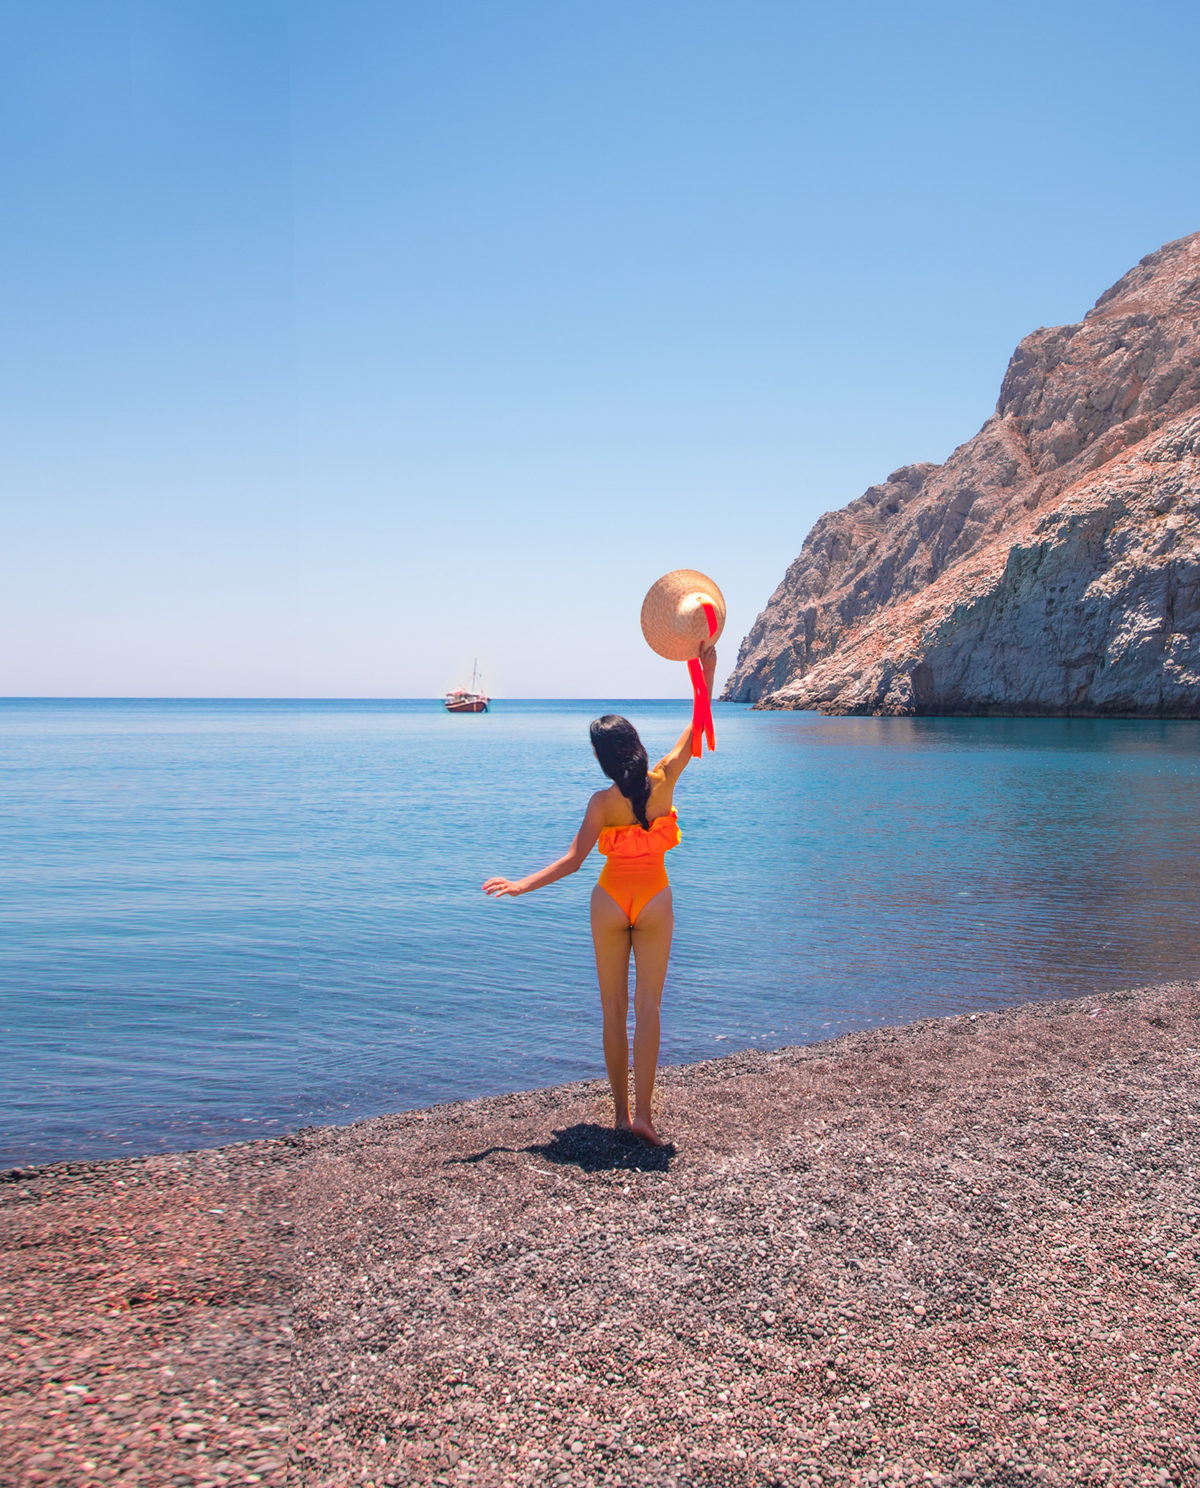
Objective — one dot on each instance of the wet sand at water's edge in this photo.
(964, 1251)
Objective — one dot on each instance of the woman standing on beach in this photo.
(634, 822)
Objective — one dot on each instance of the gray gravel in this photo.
(143, 1319)
(960, 1252)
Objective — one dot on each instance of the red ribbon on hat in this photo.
(702, 718)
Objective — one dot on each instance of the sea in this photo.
(228, 919)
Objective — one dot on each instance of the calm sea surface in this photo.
(225, 919)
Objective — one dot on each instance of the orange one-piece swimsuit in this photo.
(633, 869)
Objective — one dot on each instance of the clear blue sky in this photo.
(344, 342)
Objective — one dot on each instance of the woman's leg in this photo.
(611, 938)
(651, 950)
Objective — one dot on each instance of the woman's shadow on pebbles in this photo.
(592, 1148)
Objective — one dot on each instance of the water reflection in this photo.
(950, 861)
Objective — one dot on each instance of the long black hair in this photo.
(622, 757)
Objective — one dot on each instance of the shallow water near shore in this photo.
(228, 919)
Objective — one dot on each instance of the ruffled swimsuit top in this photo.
(638, 842)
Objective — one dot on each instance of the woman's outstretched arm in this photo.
(675, 762)
(582, 844)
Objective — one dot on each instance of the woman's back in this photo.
(616, 810)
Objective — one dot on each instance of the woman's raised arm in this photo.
(571, 861)
(674, 763)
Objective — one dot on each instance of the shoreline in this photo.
(961, 1250)
(77, 1165)
(80, 1165)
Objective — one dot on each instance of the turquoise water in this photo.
(224, 919)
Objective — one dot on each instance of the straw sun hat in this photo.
(674, 620)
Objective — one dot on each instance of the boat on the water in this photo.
(467, 700)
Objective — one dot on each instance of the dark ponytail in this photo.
(622, 757)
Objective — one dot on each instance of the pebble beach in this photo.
(957, 1252)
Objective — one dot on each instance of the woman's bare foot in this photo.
(640, 1127)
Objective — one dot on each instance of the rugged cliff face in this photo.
(1051, 565)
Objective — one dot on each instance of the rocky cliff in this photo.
(1050, 566)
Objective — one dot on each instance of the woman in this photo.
(634, 822)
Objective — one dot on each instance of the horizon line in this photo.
(121, 697)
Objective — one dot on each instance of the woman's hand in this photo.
(497, 888)
(708, 660)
